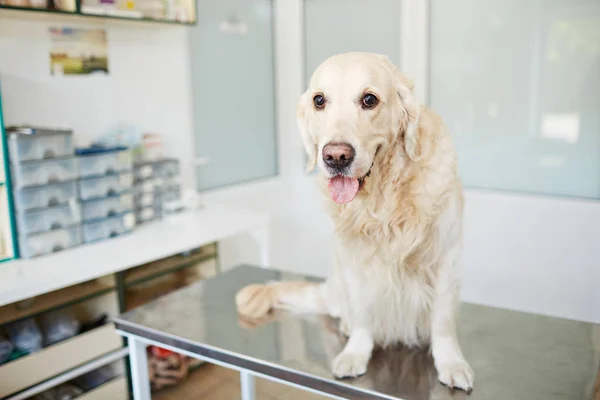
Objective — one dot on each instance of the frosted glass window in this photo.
(518, 83)
(339, 26)
(233, 92)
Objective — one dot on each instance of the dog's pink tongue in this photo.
(343, 189)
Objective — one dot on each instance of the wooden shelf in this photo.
(115, 389)
(138, 295)
(59, 298)
(101, 16)
(53, 360)
(171, 264)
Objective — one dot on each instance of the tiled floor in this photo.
(217, 383)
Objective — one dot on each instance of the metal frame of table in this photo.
(138, 360)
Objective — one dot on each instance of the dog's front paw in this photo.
(458, 375)
(255, 301)
(350, 365)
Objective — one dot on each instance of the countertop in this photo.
(24, 278)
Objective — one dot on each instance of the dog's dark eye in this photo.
(369, 100)
(319, 101)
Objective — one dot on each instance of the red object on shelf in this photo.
(160, 352)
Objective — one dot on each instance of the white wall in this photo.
(532, 253)
(148, 84)
(521, 252)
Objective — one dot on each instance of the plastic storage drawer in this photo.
(40, 146)
(107, 207)
(147, 214)
(166, 169)
(147, 199)
(37, 173)
(171, 182)
(109, 185)
(49, 242)
(105, 163)
(107, 228)
(172, 193)
(48, 219)
(143, 171)
(45, 196)
(148, 185)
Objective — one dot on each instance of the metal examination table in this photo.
(514, 355)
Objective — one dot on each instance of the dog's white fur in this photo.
(396, 276)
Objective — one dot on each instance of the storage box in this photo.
(105, 163)
(47, 219)
(146, 199)
(143, 171)
(171, 193)
(107, 207)
(147, 214)
(45, 196)
(37, 173)
(39, 146)
(109, 185)
(110, 227)
(148, 185)
(49, 242)
(166, 168)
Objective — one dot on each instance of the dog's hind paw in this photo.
(457, 375)
(350, 365)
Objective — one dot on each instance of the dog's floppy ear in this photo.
(409, 114)
(310, 144)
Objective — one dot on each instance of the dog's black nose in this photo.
(338, 155)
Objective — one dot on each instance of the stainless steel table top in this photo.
(514, 355)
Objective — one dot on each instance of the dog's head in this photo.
(358, 107)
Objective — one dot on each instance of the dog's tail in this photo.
(257, 300)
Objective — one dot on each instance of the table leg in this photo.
(138, 360)
(247, 383)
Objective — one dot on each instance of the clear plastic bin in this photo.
(45, 196)
(48, 219)
(171, 194)
(109, 185)
(147, 214)
(105, 163)
(107, 207)
(143, 171)
(37, 173)
(147, 199)
(166, 168)
(171, 183)
(40, 146)
(49, 242)
(149, 185)
(107, 228)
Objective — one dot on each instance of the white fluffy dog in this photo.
(389, 167)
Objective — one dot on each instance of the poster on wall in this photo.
(78, 51)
